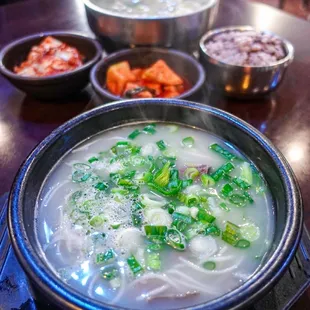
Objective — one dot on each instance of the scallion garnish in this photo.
(153, 261)
(227, 189)
(134, 134)
(150, 129)
(220, 172)
(101, 186)
(241, 183)
(207, 180)
(92, 160)
(110, 275)
(175, 239)
(134, 265)
(161, 145)
(232, 236)
(224, 153)
(204, 217)
(105, 257)
(155, 233)
(188, 142)
(80, 176)
(96, 221)
(209, 265)
(191, 173)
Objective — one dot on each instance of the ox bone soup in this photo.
(154, 216)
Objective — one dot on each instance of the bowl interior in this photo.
(18, 51)
(184, 65)
(287, 204)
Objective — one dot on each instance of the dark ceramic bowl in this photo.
(183, 64)
(282, 183)
(56, 86)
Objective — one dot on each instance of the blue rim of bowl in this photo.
(186, 57)
(262, 281)
(7, 48)
(95, 8)
(289, 48)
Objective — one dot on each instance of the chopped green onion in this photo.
(155, 233)
(237, 200)
(92, 160)
(248, 197)
(186, 183)
(153, 261)
(191, 173)
(171, 206)
(224, 153)
(80, 176)
(150, 129)
(192, 200)
(227, 190)
(153, 247)
(232, 236)
(173, 128)
(119, 191)
(212, 230)
(161, 145)
(110, 275)
(220, 172)
(243, 244)
(194, 230)
(125, 182)
(209, 265)
(116, 226)
(82, 167)
(96, 221)
(188, 142)
(175, 239)
(105, 257)
(181, 221)
(162, 176)
(75, 196)
(137, 161)
(241, 183)
(134, 134)
(134, 265)
(207, 180)
(224, 206)
(204, 217)
(101, 186)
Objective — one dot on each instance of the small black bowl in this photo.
(186, 66)
(55, 86)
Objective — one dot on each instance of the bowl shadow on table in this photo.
(54, 111)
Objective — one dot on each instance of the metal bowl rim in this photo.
(88, 4)
(289, 48)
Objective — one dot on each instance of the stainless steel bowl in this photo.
(243, 81)
(181, 32)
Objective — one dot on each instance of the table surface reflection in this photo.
(284, 116)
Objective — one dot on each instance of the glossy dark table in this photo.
(283, 116)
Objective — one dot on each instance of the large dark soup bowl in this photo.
(282, 183)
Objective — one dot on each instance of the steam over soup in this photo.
(154, 217)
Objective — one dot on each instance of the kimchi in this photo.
(158, 80)
(50, 57)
